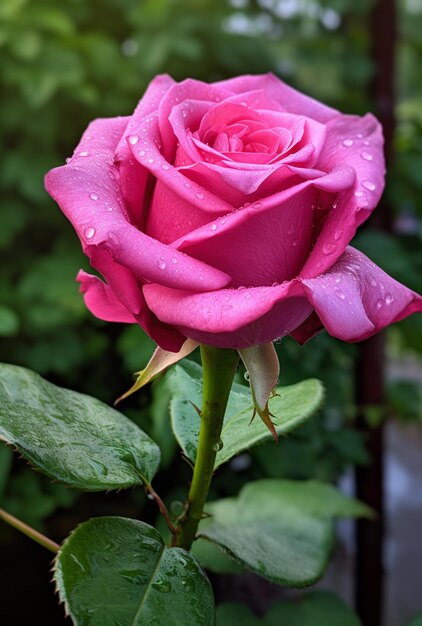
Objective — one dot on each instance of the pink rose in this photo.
(223, 213)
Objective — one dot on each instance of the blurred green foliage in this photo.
(66, 63)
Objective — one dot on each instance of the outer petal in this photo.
(101, 301)
(258, 246)
(134, 177)
(355, 299)
(354, 143)
(269, 241)
(231, 318)
(88, 194)
(291, 100)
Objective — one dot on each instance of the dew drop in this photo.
(275, 284)
(90, 232)
(218, 446)
(246, 376)
(389, 298)
(338, 233)
(368, 184)
(339, 293)
(199, 195)
(84, 153)
(379, 303)
(294, 243)
(367, 156)
(133, 139)
(359, 136)
(188, 185)
(366, 142)
(142, 153)
(213, 226)
(93, 196)
(165, 166)
(329, 248)
(223, 221)
(348, 143)
(359, 194)
(257, 205)
(161, 264)
(150, 160)
(174, 260)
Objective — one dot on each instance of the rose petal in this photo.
(134, 177)
(231, 318)
(101, 301)
(308, 329)
(92, 201)
(356, 299)
(346, 147)
(125, 287)
(258, 246)
(188, 89)
(291, 100)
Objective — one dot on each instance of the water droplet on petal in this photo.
(340, 294)
(161, 264)
(174, 260)
(389, 298)
(133, 139)
(359, 194)
(213, 226)
(165, 166)
(338, 233)
(329, 248)
(257, 205)
(348, 143)
(89, 232)
(84, 153)
(294, 243)
(142, 153)
(379, 303)
(187, 185)
(368, 184)
(199, 195)
(93, 196)
(150, 160)
(367, 156)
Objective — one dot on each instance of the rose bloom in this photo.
(223, 212)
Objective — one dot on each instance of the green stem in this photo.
(28, 531)
(218, 370)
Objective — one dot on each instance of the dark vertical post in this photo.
(370, 363)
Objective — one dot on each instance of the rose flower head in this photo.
(222, 213)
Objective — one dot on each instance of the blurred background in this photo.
(65, 63)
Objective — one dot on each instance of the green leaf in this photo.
(280, 529)
(319, 608)
(214, 559)
(116, 571)
(71, 437)
(292, 407)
